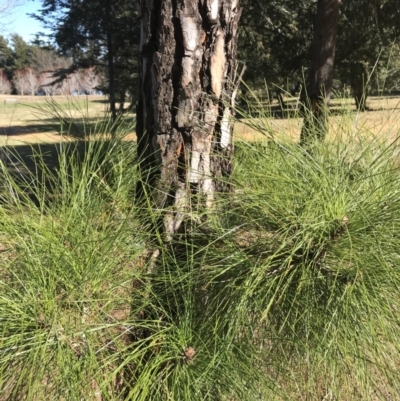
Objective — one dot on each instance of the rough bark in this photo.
(316, 97)
(187, 98)
(358, 81)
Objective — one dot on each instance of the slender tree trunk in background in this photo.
(316, 97)
(358, 81)
(110, 60)
(187, 98)
(121, 102)
(279, 96)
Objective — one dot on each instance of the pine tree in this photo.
(187, 99)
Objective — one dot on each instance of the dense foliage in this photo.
(275, 44)
(100, 33)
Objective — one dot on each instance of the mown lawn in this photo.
(29, 120)
(382, 118)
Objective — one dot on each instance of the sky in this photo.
(19, 22)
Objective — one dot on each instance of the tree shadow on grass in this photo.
(26, 159)
(79, 128)
(18, 130)
(41, 168)
(259, 109)
(38, 164)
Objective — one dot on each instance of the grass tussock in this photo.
(289, 291)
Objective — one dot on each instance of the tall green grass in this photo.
(289, 291)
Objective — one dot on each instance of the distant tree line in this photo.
(276, 38)
(98, 33)
(275, 44)
(34, 69)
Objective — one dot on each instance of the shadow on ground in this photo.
(26, 159)
(23, 160)
(17, 130)
(290, 108)
(75, 127)
(29, 165)
(37, 166)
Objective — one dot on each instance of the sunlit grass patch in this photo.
(327, 281)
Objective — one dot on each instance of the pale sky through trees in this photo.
(19, 22)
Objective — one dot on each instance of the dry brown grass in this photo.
(22, 123)
(382, 118)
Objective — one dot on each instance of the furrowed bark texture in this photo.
(184, 128)
(317, 96)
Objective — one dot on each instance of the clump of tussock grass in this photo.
(81, 316)
(321, 271)
(71, 260)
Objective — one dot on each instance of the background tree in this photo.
(47, 59)
(187, 97)
(20, 83)
(99, 33)
(275, 41)
(367, 32)
(7, 8)
(5, 84)
(277, 35)
(31, 80)
(5, 54)
(318, 92)
(33, 68)
(46, 83)
(21, 54)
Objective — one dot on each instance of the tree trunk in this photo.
(279, 96)
(187, 97)
(110, 59)
(358, 81)
(316, 97)
(121, 102)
